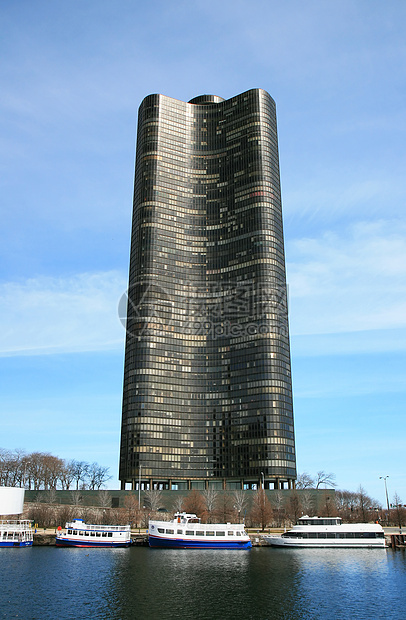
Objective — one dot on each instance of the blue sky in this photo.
(71, 80)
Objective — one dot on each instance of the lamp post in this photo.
(139, 487)
(263, 480)
(386, 492)
(26, 463)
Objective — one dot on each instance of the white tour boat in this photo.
(329, 532)
(16, 533)
(186, 531)
(80, 534)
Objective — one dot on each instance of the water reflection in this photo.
(207, 584)
(143, 584)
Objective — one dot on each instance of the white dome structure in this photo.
(11, 500)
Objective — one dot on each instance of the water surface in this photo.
(44, 583)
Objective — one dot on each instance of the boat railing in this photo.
(15, 524)
(92, 527)
(217, 527)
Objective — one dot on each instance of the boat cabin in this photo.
(319, 521)
(184, 517)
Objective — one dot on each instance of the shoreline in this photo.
(46, 537)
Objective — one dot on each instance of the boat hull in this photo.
(63, 542)
(17, 544)
(276, 541)
(182, 543)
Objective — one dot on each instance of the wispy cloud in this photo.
(349, 282)
(52, 315)
(331, 194)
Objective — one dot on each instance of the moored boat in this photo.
(80, 534)
(186, 531)
(16, 533)
(330, 532)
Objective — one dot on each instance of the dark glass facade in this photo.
(207, 394)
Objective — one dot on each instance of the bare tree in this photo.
(44, 471)
(240, 503)
(178, 502)
(104, 499)
(7, 467)
(261, 511)
(345, 503)
(52, 469)
(364, 503)
(399, 511)
(326, 479)
(278, 504)
(294, 507)
(194, 503)
(79, 471)
(305, 481)
(132, 510)
(307, 502)
(225, 507)
(97, 476)
(77, 498)
(36, 470)
(153, 499)
(50, 496)
(210, 498)
(67, 475)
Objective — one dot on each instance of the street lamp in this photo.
(139, 487)
(386, 491)
(26, 463)
(263, 479)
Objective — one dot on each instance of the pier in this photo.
(46, 538)
(396, 540)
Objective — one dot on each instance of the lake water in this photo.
(44, 583)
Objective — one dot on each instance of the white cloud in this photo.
(52, 315)
(350, 282)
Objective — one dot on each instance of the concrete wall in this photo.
(319, 499)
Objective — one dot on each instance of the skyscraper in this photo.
(207, 394)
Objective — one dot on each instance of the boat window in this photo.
(170, 531)
(312, 535)
(199, 533)
(92, 534)
(74, 533)
(209, 533)
(322, 535)
(104, 534)
(177, 531)
(368, 535)
(380, 535)
(98, 534)
(220, 533)
(161, 530)
(190, 533)
(331, 535)
(69, 531)
(86, 533)
(238, 533)
(109, 534)
(230, 533)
